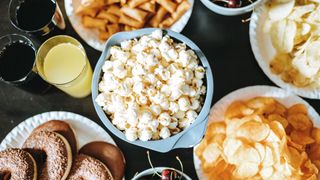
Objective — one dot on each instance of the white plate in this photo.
(91, 36)
(85, 129)
(264, 52)
(284, 97)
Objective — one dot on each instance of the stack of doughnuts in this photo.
(50, 152)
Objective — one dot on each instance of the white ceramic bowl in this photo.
(159, 170)
(229, 11)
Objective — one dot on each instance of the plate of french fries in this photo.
(285, 39)
(260, 132)
(96, 20)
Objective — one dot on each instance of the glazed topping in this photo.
(18, 163)
(89, 168)
(58, 153)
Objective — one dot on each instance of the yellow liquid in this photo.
(66, 66)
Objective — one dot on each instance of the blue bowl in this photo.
(187, 138)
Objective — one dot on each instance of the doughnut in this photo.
(17, 164)
(89, 168)
(107, 153)
(63, 129)
(52, 153)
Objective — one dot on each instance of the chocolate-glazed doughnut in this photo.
(17, 164)
(89, 168)
(63, 129)
(107, 153)
(52, 153)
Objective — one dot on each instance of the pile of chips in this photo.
(261, 139)
(294, 28)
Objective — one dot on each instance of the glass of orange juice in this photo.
(62, 62)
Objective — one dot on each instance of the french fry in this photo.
(129, 28)
(167, 23)
(181, 9)
(86, 11)
(108, 16)
(113, 28)
(136, 14)
(156, 19)
(104, 35)
(135, 3)
(90, 22)
(130, 22)
(114, 9)
(148, 6)
(168, 5)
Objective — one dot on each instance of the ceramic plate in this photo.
(85, 129)
(91, 36)
(264, 53)
(284, 97)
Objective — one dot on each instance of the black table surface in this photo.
(224, 41)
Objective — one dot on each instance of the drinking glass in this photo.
(80, 85)
(18, 69)
(25, 14)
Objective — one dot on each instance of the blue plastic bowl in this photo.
(186, 138)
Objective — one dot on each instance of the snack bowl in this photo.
(229, 11)
(190, 136)
(158, 170)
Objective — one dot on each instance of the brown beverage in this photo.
(16, 63)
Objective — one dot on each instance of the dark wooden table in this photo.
(225, 42)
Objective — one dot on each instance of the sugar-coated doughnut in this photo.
(17, 164)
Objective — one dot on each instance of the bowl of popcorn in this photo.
(153, 88)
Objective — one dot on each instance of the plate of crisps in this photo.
(260, 132)
(96, 20)
(285, 39)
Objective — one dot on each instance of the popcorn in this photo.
(151, 87)
(164, 133)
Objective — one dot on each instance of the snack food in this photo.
(110, 17)
(108, 154)
(294, 30)
(86, 167)
(17, 164)
(151, 87)
(257, 139)
(61, 128)
(52, 153)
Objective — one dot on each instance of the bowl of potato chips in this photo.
(285, 39)
(96, 20)
(260, 132)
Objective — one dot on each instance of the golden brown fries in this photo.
(112, 16)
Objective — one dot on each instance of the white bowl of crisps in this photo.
(153, 88)
(285, 39)
(231, 7)
(96, 20)
(260, 132)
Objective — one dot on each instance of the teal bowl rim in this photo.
(162, 145)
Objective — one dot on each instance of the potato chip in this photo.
(316, 135)
(300, 121)
(245, 153)
(253, 130)
(246, 170)
(268, 159)
(276, 117)
(297, 108)
(230, 146)
(282, 35)
(314, 152)
(294, 158)
(266, 172)
(300, 11)
(217, 138)
(237, 110)
(261, 150)
(211, 153)
(301, 138)
(216, 128)
(280, 11)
